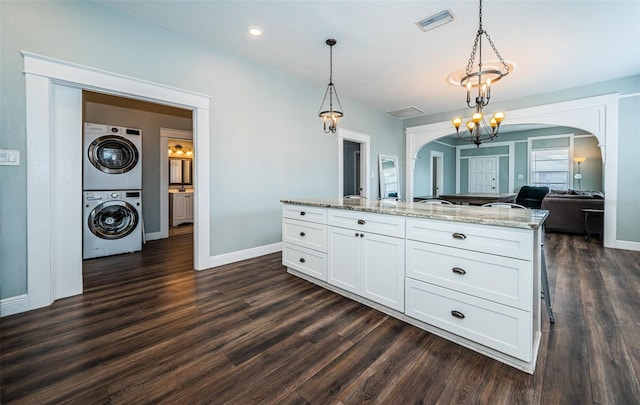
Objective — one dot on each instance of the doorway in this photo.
(483, 175)
(354, 163)
(352, 176)
(437, 173)
(53, 111)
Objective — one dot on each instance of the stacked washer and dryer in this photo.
(112, 190)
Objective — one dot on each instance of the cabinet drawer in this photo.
(388, 225)
(509, 242)
(499, 327)
(307, 234)
(503, 280)
(305, 260)
(305, 213)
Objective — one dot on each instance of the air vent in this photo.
(405, 112)
(436, 20)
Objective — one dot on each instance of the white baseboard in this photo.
(155, 235)
(14, 305)
(232, 257)
(626, 245)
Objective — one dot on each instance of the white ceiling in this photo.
(384, 60)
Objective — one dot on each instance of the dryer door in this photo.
(113, 219)
(113, 154)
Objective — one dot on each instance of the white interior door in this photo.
(483, 175)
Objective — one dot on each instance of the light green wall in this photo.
(422, 170)
(629, 171)
(257, 157)
(628, 201)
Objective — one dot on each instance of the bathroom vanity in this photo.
(468, 274)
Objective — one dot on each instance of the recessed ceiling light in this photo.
(255, 31)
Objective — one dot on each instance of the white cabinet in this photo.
(181, 208)
(304, 237)
(475, 281)
(364, 262)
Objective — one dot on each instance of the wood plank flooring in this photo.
(150, 330)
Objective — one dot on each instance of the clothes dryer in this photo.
(112, 158)
(112, 222)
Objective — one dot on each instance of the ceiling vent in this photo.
(406, 112)
(436, 20)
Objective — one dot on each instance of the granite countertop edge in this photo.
(504, 217)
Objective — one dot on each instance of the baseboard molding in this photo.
(626, 245)
(14, 305)
(232, 257)
(155, 235)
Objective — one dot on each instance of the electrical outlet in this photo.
(9, 157)
(520, 176)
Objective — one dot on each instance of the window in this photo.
(551, 168)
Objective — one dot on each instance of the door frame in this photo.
(365, 159)
(53, 105)
(165, 135)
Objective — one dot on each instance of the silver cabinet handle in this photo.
(361, 222)
(457, 314)
(460, 236)
(458, 270)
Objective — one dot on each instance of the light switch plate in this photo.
(9, 157)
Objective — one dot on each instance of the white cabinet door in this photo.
(179, 207)
(383, 270)
(188, 209)
(367, 264)
(343, 258)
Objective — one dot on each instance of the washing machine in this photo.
(112, 222)
(112, 158)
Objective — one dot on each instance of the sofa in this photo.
(565, 211)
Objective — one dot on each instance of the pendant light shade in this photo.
(329, 112)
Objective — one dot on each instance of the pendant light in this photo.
(481, 80)
(329, 114)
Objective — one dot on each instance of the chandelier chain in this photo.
(472, 57)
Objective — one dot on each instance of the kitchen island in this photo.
(468, 274)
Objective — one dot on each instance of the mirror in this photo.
(179, 171)
(389, 178)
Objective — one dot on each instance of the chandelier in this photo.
(330, 115)
(480, 80)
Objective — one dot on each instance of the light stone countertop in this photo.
(496, 216)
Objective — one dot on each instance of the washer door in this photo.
(113, 154)
(113, 220)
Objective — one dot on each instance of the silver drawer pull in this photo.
(302, 260)
(457, 314)
(361, 222)
(460, 236)
(458, 270)
(303, 234)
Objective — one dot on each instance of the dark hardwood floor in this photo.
(150, 330)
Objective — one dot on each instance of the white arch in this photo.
(597, 115)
